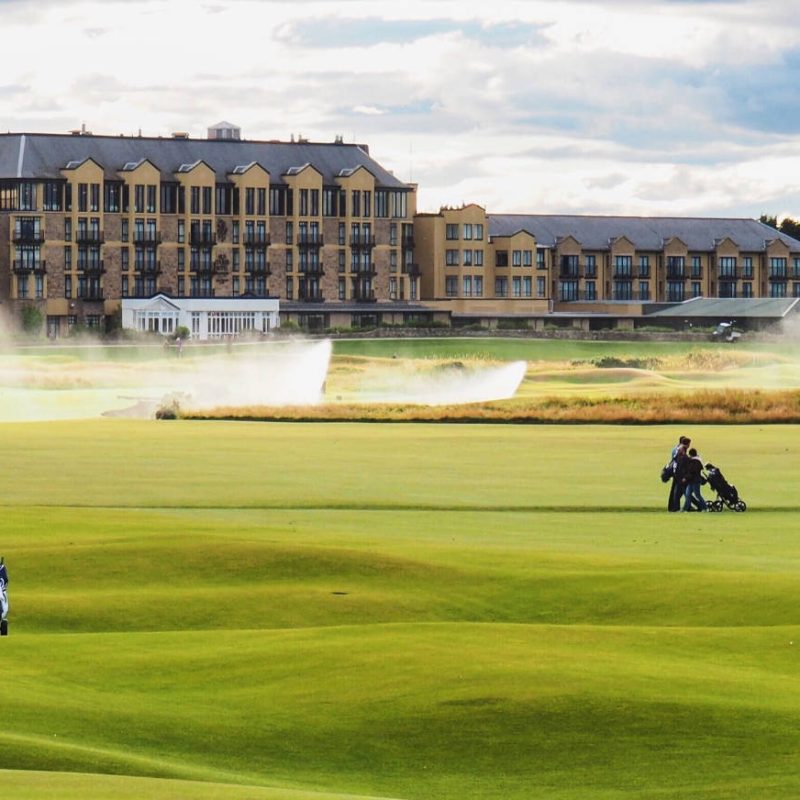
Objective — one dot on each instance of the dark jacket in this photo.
(692, 470)
(4, 574)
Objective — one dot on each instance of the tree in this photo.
(32, 320)
(789, 226)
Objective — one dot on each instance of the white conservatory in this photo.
(205, 317)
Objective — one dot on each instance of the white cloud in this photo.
(614, 106)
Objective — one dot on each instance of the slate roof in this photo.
(699, 234)
(43, 155)
(732, 308)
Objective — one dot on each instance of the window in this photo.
(27, 196)
(697, 267)
(367, 203)
(501, 258)
(675, 265)
(181, 231)
(124, 259)
(355, 203)
(541, 286)
(341, 265)
(451, 258)
(777, 289)
(67, 259)
(777, 269)
(644, 266)
(342, 289)
(52, 196)
(477, 258)
(516, 258)
(289, 233)
(303, 202)
(451, 232)
(501, 287)
(329, 202)
(125, 286)
(138, 198)
(644, 290)
(207, 209)
(478, 283)
(540, 264)
(152, 194)
(590, 267)
(467, 286)
(467, 231)
(68, 286)
(479, 232)
(747, 267)
(568, 291)
(451, 286)
(393, 234)
(194, 200)
(393, 261)
(591, 290)
(747, 290)
(113, 196)
(83, 197)
(466, 258)
(623, 266)
(526, 286)
(675, 292)
(123, 232)
(527, 258)
(727, 267)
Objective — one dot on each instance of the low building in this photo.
(203, 317)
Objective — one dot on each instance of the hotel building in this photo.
(87, 221)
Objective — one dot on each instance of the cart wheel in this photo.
(718, 505)
(740, 506)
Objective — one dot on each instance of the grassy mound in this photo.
(391, 611)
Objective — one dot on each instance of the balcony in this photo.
(201, 293)
(363, 269)
(91, 296)
(205, 268)
(362, 241)
(256, 239)
(202, 238)
(676, 273)
(728, 274)
(412, 270)
(569, 272)
(306, 240)
(259, 269)
(28, 235)
(623, 273)
(29, 267)
(314, 270)
(92, 267)
(149, 268)
(147, 237)
(576, 297)
(364, 296)
(643, 273)
(311, 297)
(89, 236)
(779, 275)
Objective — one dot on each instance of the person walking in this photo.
(692, 480)
(3, 597)
(678, 460)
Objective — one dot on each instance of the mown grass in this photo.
(406, 611)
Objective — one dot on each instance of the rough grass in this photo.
(416, 611)
(705, 406)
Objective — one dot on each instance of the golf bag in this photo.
(727, 495)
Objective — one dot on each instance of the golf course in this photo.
(317, 611)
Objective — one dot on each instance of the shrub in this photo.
(32, 320)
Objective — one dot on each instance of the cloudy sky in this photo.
(615, 106)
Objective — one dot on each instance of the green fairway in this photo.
(319, 612)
